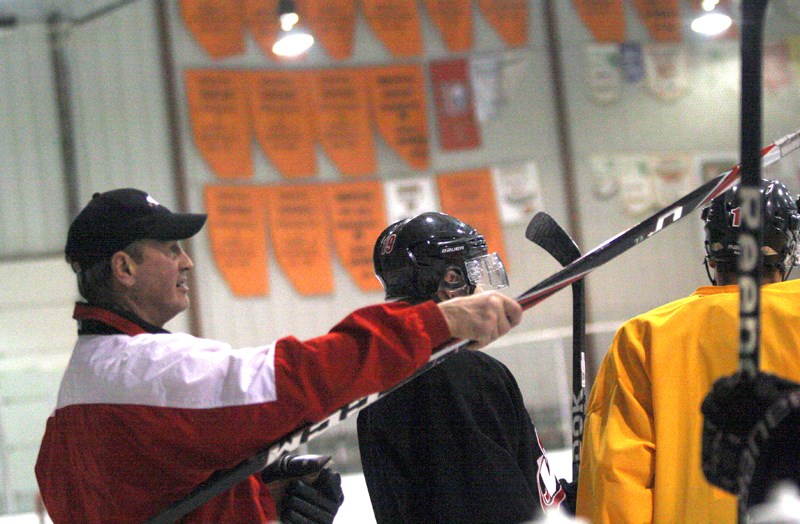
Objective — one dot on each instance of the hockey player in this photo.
(641, 452)
(144, 415)
(457, 444)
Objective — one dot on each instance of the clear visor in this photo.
(486, 272)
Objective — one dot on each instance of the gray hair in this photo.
(95, 283)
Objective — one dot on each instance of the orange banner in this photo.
(216, 25)
(219, 121)
(237, 231)
(662, 19)
(508, 18)
(358, 216)
(261, 19)
(453, 19)
(455, 111)
(281, 104)
(300, 236)
(605, 19)
(396, 23)
(469, 196)
(333, 23)
(398, 106)
(343, 121)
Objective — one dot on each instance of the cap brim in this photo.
(174, 226)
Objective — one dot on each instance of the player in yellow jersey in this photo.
(642, 445)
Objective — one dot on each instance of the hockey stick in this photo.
(221, 481)
(545, 232)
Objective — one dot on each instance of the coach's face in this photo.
(159, 286)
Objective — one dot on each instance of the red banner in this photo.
(508, 18)
(262, 22)
(300, 235)
(453, 19)
(219, 121)
(237, 231)
(343, 120)
(358, 216)
(398, 106)
(216, 25)
(605, 19)
(662, 19)
(455, 111)
(281, 104)
(333, 23)
(396, 24)
(469, 196)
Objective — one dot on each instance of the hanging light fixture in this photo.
(713, 21)
(293, 41)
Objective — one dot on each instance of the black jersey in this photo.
(455, 445)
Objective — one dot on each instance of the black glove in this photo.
(743, 420)
(571, 490)
(313, 503)
(304, 490)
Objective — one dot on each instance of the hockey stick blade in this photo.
(544, 231)
(637, 234)
(221, 481)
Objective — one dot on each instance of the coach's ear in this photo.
(123, 268)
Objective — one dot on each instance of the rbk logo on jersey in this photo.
(736, 217)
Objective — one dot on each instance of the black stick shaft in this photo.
(750, 235)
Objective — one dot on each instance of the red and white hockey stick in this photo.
(224, 480)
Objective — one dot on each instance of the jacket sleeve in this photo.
(618, 449)
(371, 350)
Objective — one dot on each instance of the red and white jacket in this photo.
(144, 415)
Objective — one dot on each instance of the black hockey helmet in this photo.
(781, 222)
(412, 255)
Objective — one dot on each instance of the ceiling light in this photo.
(713, 22)
(294, 41)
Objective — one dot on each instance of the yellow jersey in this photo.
(641, 449)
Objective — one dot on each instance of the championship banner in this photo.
(281, 104)
(408, 197)
(605, 19)
(237, 233)
(519, 192)
(300, 236)
(398, 106)
(666, 70)
(508, 18)
(455, 112)
(262, 22)
(662, 18)
(218, 116)
(358, 216)
(632, 62)
(343, 120)
(216, 26)
(636, 187)
(777, 67)
(453, 19)
(333, 23)
(396, 24)
(470, 196)
(604, 79)
(672, 177)
(486, 75)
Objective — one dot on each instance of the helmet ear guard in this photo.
(412, 256)
(781, 222)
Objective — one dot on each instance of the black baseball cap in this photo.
(114, 219)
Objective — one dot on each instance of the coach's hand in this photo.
(482, 318)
